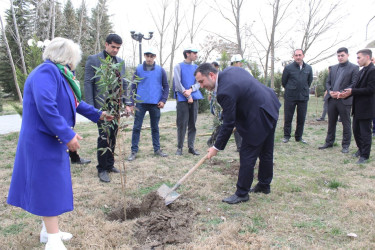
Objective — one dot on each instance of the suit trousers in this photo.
(289, 109)
(248, 158)
(186, 118)
(362, 135)
(336, 108)
(106, 161)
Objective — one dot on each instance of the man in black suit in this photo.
(341, 76)
(363, 111)
(94, 97)
(296, 80)
(253, 109)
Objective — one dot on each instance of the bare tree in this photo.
(176, 27)
(53, 21)
(279, 10)
(81, 16)
(100, 10)
(162, 23)
(48, 27)
(11, 61)
(18, 38)
(195, 27)
(320, 21)
(235, 9)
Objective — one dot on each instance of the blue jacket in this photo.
(247, 105)
(41, 182)
(187, 81)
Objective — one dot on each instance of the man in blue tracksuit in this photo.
(151, 94)
(187, 92)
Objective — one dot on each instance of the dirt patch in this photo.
(158, 224)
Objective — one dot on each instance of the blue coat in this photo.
(247, 105)
(41, 182)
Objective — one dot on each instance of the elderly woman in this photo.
(41, 182)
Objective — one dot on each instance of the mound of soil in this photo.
(157, 223)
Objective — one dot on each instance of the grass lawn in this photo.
(317, 196)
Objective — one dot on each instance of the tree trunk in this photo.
(175, 35)
(11, 60)
(83, 6)
(53, 22)
(18, 39)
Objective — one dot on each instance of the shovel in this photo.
(169, 194)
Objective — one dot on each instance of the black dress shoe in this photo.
(357, 154)
(179, 151)
(320, 119)
(362, 160)
(114, 170)
(260, 189)
(160, 153)
(301, 141)
(234, 199)
(132, 156)
(345, 150)
(103, 176)
(285, 140)
(326, 146)
(193, 151)
(81, 161)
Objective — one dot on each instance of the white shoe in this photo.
(55, 242)
(63, 235)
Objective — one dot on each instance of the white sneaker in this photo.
(54, 242)
(63, 235)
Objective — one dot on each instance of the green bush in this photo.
(204, 104)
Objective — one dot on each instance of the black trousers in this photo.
(248, 157)
(289, 109)
(106, 161)
(186, 118)
(362, 135)
(74, 156)
(336, 108)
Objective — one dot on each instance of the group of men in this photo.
(349, 91)
(247, 105)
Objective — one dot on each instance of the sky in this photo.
(128, 15)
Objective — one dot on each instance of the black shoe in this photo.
(193, 151)
(356, 154)
(345, 150)
(259, 189)
(320, 119)
(132, 156)
(160, 153)
(179, 151)
(81, 161)
(114, 170)
(361, 160)
(234, 199)
(301, 141)
(326, 145)
(285, 140)
(103, 176)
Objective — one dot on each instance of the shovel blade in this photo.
(167, 194)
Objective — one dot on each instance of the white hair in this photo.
(63, 51)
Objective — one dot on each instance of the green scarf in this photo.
(74, 84)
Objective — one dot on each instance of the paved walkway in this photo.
(12, 123)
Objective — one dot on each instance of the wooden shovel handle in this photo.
(189, 173)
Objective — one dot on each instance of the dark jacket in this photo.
(247, 105)
(297, 82)
(349, 78)
(92, 90)
(364, 94)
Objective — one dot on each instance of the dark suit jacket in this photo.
(349, 78)
(91, 88)
(297, 82)
(247, 105)
(364, 94)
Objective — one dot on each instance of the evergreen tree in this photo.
(70, 27)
